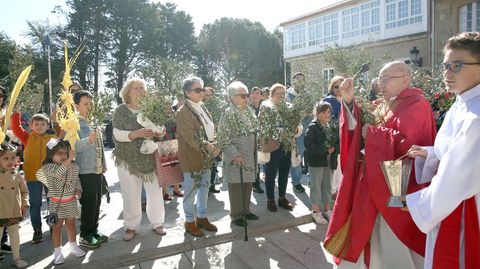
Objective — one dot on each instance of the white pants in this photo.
(131, 188)
(337, 177)
(14, 236)
(386, 251)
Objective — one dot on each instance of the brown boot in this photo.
(272, 206)
(205, 224)
(191, 228)
(283, 202)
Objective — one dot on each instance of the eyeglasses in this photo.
(242, 95)
(198, 90)
(384, 79)
(456, 67)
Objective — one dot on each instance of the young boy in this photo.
(35, 149)
(90, 158)
(447, 210)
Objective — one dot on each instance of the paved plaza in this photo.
(283, 239)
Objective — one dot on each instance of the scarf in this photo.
(128, 153)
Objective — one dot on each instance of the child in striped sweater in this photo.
(60, 174)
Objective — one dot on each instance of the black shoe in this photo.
(251, 216)
(298, 188)
(239, 222)
(257, 188)
(213, 190)
(37, 236)
(6, 248)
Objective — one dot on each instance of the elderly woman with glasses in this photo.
(196, 135)
(237, 135)
(334, 96)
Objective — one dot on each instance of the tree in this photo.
(170, 33)
(348, 60)
(167, 75)
(36, 55)
(238, 49)
(124, 35)
(7, 49)
(87, 26)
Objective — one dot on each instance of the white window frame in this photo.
(295, 37)
(471, 16)
(400, 13)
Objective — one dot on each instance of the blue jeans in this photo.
(35, 189)
(200, 191)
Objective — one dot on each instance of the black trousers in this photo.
(280, 162)
(91, 200)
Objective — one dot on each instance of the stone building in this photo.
(399, 29)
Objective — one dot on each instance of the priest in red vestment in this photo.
(363, 232)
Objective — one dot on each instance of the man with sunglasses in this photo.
(447, 210)
(378, 236)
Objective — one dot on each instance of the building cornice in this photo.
(317, 12)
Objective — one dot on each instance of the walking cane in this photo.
(243, 204)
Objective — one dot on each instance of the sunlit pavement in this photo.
(277, 240)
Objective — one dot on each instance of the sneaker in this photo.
(37, 236)
(58, 258)
(76, 251)
(318, 217)
(328, 214)
(6, 248)
(19, 263)
(298, 188)
(101, 238)
(89, 242)
(257, 188)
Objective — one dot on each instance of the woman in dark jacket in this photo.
(321, 159)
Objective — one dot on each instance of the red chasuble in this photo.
(363, 192)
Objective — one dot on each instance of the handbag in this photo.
(167, 173)
(270, 146)
(263, 157)
(168, 151)
(296, 159)
(105, 190)
(52, 218)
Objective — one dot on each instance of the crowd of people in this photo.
(438, 227)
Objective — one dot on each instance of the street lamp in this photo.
(414, 59)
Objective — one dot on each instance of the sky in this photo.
(15, 13)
